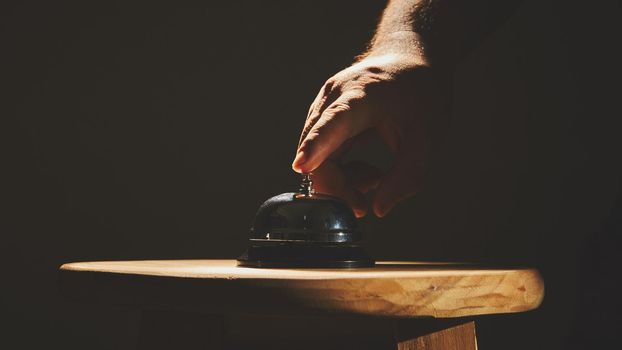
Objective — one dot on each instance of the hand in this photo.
(393, 95)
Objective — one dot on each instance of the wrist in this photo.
(409, 46)
(406, 45)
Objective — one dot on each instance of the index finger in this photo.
(343, 119)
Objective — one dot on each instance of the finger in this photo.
(362, 176)
(343, 119)
(330, 179)
(403, 181)
(325, 97)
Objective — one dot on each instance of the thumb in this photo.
(404, 180)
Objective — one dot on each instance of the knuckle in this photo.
(357, 97)
(329, 85)
(374, 69)
(340, 107)
(311, 140)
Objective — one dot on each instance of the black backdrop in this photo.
(151, 130)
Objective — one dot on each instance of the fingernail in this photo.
(299, 160)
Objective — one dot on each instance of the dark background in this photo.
(152, 131)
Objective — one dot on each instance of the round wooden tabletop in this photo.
(396, 289)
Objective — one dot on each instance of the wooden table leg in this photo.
(161, 329)
(437, 335)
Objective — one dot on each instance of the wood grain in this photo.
(390, 289)
(458, 337)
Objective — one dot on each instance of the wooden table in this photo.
(214, 304)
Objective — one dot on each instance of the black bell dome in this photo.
(305, 229)
(292, 217)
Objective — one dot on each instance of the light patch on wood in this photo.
(395, 289)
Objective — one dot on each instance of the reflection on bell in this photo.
(305, 229)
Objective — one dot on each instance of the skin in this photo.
(396, 90)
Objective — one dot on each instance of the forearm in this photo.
(437, 32)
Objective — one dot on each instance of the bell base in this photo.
(305, 256)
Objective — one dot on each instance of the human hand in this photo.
(393, 95)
